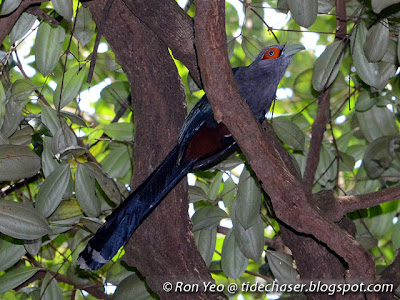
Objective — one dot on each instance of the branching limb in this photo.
(173, 26)
(317, 134)
(285, 190)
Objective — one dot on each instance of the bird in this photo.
(201, 143)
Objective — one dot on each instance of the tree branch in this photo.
(351, 203)
(323, 115)
(286, 192)
(158, 98)
(96, 290)
(36, 10)
(317, 135)
(173, 26)
(100, 28)
(7, 22)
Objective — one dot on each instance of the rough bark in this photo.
(163, 248)
(288, 197)
(172, 25)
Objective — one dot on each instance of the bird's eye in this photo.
(272, 53)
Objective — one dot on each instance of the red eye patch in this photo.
(272, 53)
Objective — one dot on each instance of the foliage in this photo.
(85, 151)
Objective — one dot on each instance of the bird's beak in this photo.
(292, 49)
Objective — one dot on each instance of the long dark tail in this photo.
(120, 225)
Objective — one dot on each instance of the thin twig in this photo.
(103, 21)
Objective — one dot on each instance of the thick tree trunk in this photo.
(163, 248)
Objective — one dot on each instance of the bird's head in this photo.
(258, 81)
(274, 59)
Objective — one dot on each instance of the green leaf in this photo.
(118, 161)
(3, 139)
(85, 191)
(327, 168)
(132, 287)
(394, 146)
(381, 218)
(106, 62)
(251, 47)
(9, 6)
(193, 87)
(325, 6)
(11, 253)
(215, 186)
(289, 133)
(120, 131)
(377, 41)
(304, 12)
(233, 261)
(21, 221)
(69, 88)
(68, 209)
(396, 236)
(283, 6)
(346, 162)
(366, 70)
(49, 163)
(227, 164)
(207, 216)
(17, 162)
(21, 89)
(63, 8)
(229, 192)
(48, 46)
(231, 42)
(281, 265)
(107, 184)
(398, 48)
(50, 119)
(379, 5)
(84, 26)
(377, 157)
(385, 71)
(50, 290)
(22, 137)
(33, 246)
(65, 142)
(196, 193)
(12, 118)
(250, 240)
(303, 87)
(248, 201)
(116, 93)
(74, 118)
(364, 101)
(374, 74)
(2, 104)
(21, 27)
(206, 240)
(377, 122)
(328, 65)
(52, 190)
(16, 277)
(92, 224)
(117, 272)
(391, 53)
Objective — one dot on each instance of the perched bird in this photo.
(201, 143)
